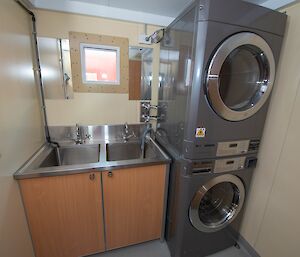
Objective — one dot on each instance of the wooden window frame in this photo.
(76, 40)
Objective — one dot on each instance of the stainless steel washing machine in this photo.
(217, 70)
(206, 204)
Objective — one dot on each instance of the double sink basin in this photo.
(94, 153)
(100, 154)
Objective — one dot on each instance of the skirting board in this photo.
(243, 243)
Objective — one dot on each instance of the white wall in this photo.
(21, 131)
(93, 108)
(271, 223)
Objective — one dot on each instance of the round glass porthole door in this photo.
(240, 76)
(217, 203)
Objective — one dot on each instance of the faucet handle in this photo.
(147, 118)
(126, 127)
(148, 106)
(88, 136)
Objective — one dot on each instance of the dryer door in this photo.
(240, 76)
(217, 203)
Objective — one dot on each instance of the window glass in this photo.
(100, 64)
(244, 77)
(219, 204)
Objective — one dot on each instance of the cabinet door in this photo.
(133, 204)
(65, 214)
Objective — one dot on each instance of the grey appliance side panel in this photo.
(194, 104)
(177, 196)
(175, 64)
(244, 14)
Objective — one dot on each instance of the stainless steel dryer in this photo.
(206, 203)
(217, 70)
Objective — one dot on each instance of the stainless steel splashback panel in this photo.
(96, 132)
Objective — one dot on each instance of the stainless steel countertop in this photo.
(30, 170)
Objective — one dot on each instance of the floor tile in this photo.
(159, 249)
(149, 249)
(230, 252)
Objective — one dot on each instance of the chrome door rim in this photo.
(232, 43)
(194, 207)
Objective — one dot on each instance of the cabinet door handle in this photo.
(110, 174)
(92, 176)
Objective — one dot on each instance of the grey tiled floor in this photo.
(158, 249)
(231, 252)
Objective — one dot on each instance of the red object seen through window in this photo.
(100, 65)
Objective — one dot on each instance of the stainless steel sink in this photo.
(123, 151)
(72, 155)
(106, 150)
(129, 151)
(87, 154)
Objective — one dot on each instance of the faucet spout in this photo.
(126, 135)
(78, 136)
(144, 137)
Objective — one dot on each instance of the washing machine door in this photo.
(217, 203)
(240, 76)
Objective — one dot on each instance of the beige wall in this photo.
(92, 108)
(271, 223)
(21, 131)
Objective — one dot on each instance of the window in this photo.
(100, 64)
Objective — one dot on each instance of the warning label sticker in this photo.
(200, 132)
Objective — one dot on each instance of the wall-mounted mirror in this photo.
(56, 68)
(140, 73)
(57, 75)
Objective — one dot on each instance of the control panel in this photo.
(237, 147)
(224, 164)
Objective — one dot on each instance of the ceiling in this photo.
(169, 8)
(156, 12)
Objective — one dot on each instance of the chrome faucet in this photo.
(78, 135)
(148, 106)
(78, 139)
(143, 140)
(147, 118)
(126, 135)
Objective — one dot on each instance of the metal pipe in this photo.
(143, 140)
(38, 69)
(24, 7)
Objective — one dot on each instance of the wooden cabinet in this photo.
(133, 204)
(65, 214)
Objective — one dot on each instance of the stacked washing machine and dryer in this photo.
(217, 70)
